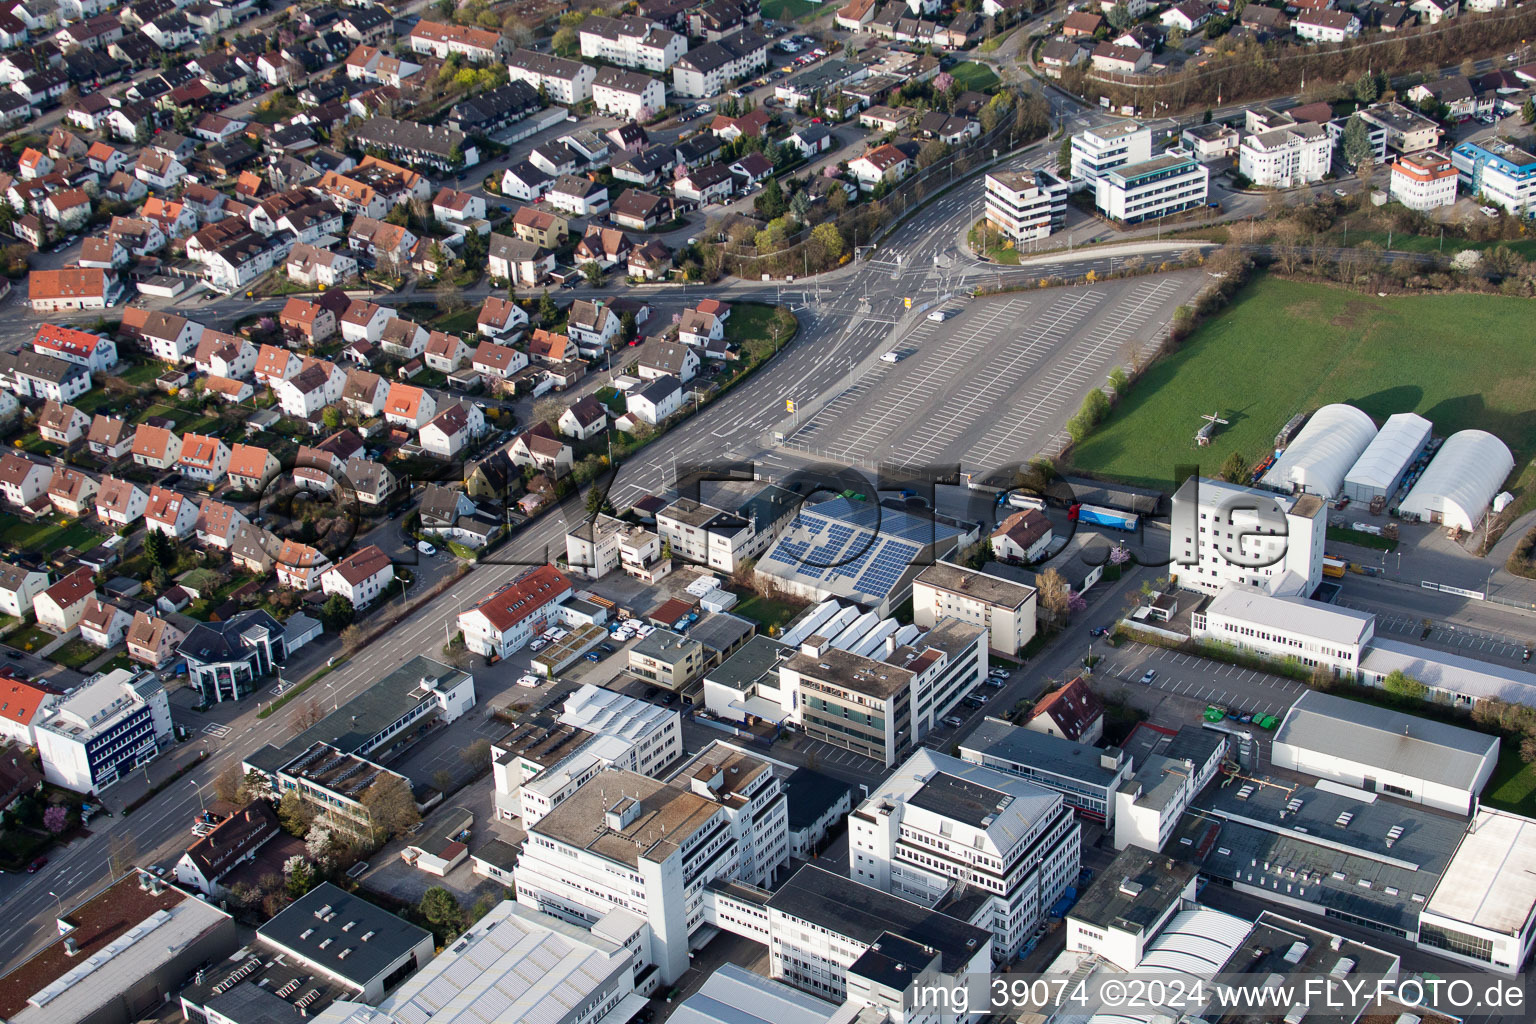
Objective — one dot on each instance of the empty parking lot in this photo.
(998, 382)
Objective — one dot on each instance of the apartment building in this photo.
(514, 614)
(1097, 151)
(1171, 183)
(625, 841)
(752, 791)
(1006, 610)
(564, 81)
(631, 42)
(941, 826)
(1224, 533)
(709, 67)
(1297, 154)
(1026, 205)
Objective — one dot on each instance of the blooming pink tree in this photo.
(55, 818)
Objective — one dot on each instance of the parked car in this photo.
(425, 548)
(529, 681)
(36, 865)
(538, 645)
(594, 656)
(1149, 675)
(954, 721)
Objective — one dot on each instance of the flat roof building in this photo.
(1150, 803)
(734, 995)
(349, 940)
(120, 953)
(1086, 777)
(1484, 909)
(1454, 678)
(1007, 610)
(940, 825)
(1287, 628)
(1222, 533)
(1379, 750)
(1127, 905)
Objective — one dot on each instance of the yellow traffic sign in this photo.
(789, 405)
(907, 302)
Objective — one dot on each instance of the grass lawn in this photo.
(1512, 786)
(790, 10)
(76, 654)
(142, 375)
(465, 321)
(1286, 347)
(972, 75)
(768, 613)
(29, 638)
(44, 536)
(1344, 535)
(1404, 242)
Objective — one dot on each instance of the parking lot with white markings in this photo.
(1473, 642)
(995, 383)
(1238, 689)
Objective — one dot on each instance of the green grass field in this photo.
(1512, 787)
(45, 536)
(1285, 347)
(972, 75)
(792, 10)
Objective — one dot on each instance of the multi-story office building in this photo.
(104, 730)
(1005, 609)
(1287, 627)
(547, 758)
(1097, 151)
(1500, 173)
(625, 841)
(1424, 181)
(1223, 533)
(1086, 777)
(942, 827)
(1026, 205)
(880, 705)
(709, 536)
(1296, 154)
(1166, 184)
(1150, 803)
(756, 804)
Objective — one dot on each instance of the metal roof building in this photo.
(1461, 481)
(1316, 461)
(734, 995)
(1379, 750)
(1380, 469)
(1484, 909)
(1449, 676)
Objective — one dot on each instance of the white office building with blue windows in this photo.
(1499, 173)
(104, 730)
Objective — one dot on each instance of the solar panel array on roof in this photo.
(854, 546)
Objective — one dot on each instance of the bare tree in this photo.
(308, 714)
(1054, 594)
(352, 638)
(122, 852)
(391, 807)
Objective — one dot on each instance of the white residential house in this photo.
(1327, 26)
(447, 433)
(1297, 154)
(170, 512)
(361, 577)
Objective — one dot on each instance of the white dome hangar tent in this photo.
(1461, 480)
(1380, 470)
(1327, 447)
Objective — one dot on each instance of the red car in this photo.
(36, 865)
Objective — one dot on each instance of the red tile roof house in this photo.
(204, 459)
(60, 606)
(504, 622)
(120, 502)
(364, 392)
(216, 524)
(91, 351)
(299, 566)
(319, 467)
(1073, 712)
(103, 625)
(446, 434)
(361, 577)
(152, 640)
(22, 701)
(251, 467)
(409, 406)
(501, 318)
(274, 364)
(71, 492)
(52, 291)
(497, 361)
(234, 841)
(170, 512)
(157, 447)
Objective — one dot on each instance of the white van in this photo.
(891, 357)
(938, 316)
